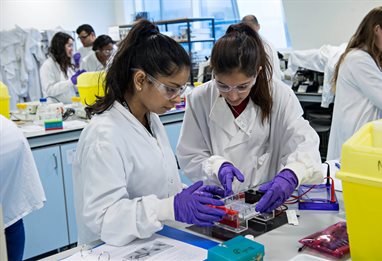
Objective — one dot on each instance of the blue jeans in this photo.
(15, 238)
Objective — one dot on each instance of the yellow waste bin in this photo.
(90, 85)
(4, 101)
(361, 175)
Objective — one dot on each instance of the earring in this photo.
(139, 89)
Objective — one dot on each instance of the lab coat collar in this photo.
(241, 128)
(222, 116)
(131, 118)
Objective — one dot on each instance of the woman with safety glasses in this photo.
(243, 125)
(126, 180)
(103, 48)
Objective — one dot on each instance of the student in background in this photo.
(58, 78)
(87, 37)
(244, 126)
(21, 191)
(357, 83)
(103, 48)
(125, 176)
(252, 21)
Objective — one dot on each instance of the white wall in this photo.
(313, 23)
(48, 14)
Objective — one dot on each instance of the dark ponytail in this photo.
(241, 49)
(143, 48)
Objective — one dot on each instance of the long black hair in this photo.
(143, 48)
(58, 53)
(241, 49)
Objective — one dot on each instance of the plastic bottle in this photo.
(42, 112)
(22, 112)
(79, 110)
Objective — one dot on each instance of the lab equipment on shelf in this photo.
(196, 35)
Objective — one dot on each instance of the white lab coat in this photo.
(21, 191)
(124, 178)
(211, 135)
(54, 82)
(358, 99)
(274, 59)
(85, 51)
(12, 67)
(91, 64)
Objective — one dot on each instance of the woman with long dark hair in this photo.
(357, 83)
(242, 125)
(58, 78)
(126, 180)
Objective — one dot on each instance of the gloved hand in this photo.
(211, 191)
(227, 173)
(190, 207)
(75, 75)
(277, 191)
(77, 59)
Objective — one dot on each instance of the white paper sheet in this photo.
(156, 247)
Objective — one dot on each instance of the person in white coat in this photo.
(243, 125)
(21, 191)
(269, 48)
(103, 48)
(358, 83)
(58, 78)
(126, 181)
(87, 36)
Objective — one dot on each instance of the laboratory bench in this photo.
(280, 243)
(53, 227)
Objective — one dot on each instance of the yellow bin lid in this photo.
(90, 85)
(4, 95)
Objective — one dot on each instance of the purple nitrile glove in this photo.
(227, 173)
(191, 207)
(77, 59)
(75, 75)
(211, 191)
(277, 191)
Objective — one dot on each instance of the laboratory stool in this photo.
(315, 111)
(322, 127)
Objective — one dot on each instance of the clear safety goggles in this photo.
(168, 91)
(239, 88)
(106, 52)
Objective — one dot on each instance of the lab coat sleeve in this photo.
(194, 151)
(299, 142)
(107, 209)
(368, 76)
(51, 83)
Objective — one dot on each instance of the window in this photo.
(167, 9)
(270, 15)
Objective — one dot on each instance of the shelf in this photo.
(195, 41)
(183, 33)
(175, 21)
